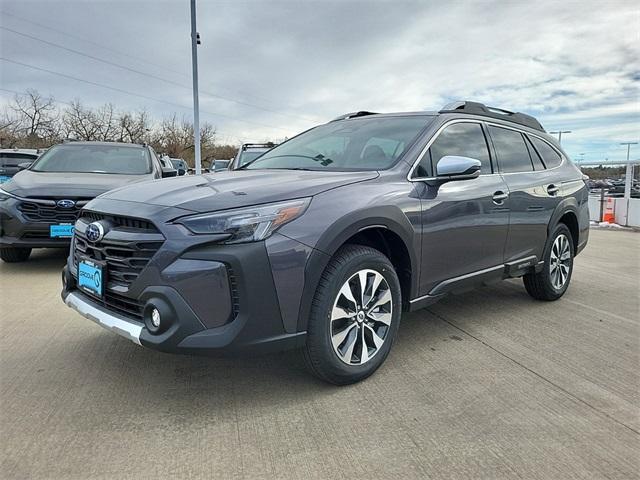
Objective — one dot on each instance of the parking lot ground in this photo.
(487, 385)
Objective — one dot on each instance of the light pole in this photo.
(560, 132)
(628, 180)
(195, 41)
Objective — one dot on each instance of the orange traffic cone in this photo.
(609, 214)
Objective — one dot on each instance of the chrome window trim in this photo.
(524, 132)
(563, 159)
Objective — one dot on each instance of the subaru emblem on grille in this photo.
(65, 203)
(94, 232)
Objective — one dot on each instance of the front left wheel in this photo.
(14, 254)
(354, 316)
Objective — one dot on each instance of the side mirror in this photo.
(25, 165)
(452, 167)
(169, 172)
(181, 171)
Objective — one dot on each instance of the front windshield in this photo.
(369, 143)
(247, 156)
(114, 159)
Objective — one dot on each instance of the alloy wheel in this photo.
(560, 261)
(361, 317)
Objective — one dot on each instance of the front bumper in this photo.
(212, 298)
(18, 231)
(109, 320)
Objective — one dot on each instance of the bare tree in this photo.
(175, 137)
(35, 117)
(33, 120)
(83, 123)
(134, 127)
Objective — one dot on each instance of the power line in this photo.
(87, 40)
(111, 49)
(145, 74)
(120, 90)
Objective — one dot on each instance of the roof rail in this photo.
(346, 116)
(258, 145)
(476, 108)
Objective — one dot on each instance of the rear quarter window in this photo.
(550, 157)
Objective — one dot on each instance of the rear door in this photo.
(534, 191)
(464, 222)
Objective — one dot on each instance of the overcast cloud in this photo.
(271, 69)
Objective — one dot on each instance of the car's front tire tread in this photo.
(319, 357)
(538, 285)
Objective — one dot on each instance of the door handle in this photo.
(499, 197)
(553, 189)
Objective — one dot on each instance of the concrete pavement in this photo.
(487, 385)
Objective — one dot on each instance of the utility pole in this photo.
(195, 41)
(628, 181)
(560, 132)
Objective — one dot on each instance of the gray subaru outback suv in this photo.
(324, 241)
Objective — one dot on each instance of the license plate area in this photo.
(91, 276)
(61, 230)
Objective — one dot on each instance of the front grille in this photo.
(124, 260)
(127, 222)
(38, 235)
(49, 213)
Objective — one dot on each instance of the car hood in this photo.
(28, 183)
(231, 189)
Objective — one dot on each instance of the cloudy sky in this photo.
(271, 69)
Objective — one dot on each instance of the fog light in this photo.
(155, 318)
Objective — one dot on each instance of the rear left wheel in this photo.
(355, 316)
(553, 280)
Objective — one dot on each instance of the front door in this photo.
(464, 222)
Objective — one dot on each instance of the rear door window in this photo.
(549, 155)
(512, 152)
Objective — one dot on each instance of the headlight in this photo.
(249, 224)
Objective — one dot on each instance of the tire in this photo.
(553, 280)
(14, 255)
(339, 327)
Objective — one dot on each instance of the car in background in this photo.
(12, 160)
(40, 204)
(218, 165)
(248, 152)
(180, 165)
(617, 188)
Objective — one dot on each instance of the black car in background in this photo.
(12, 160)
(40, 204)
(323, 241)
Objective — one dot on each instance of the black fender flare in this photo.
(568, 205)
(388, 217)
